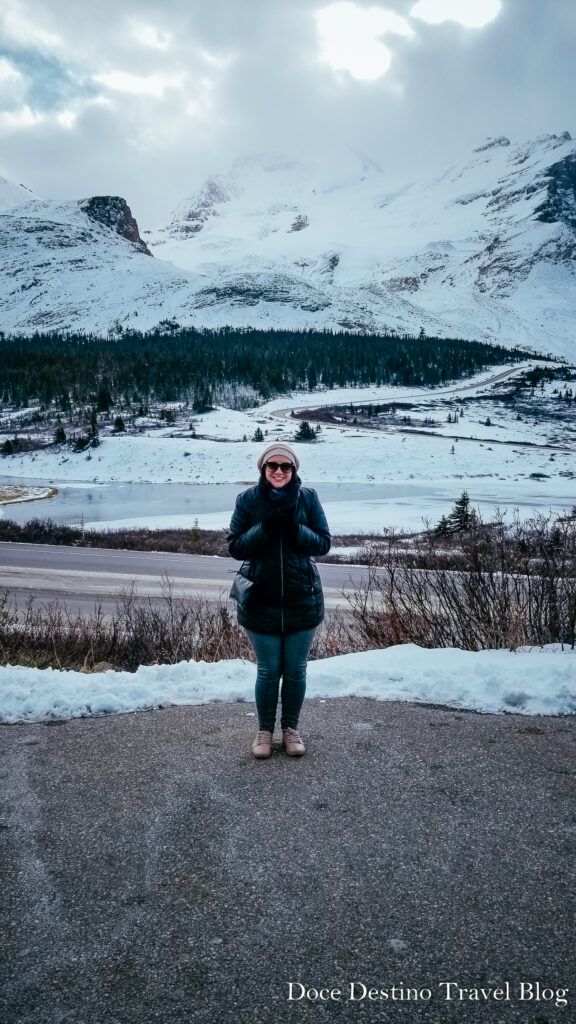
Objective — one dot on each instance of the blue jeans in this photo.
(281, 655)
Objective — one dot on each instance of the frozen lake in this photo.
(350, 507)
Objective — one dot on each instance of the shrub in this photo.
(493, 586)
(140, 631)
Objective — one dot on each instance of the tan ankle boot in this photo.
(262, 746)
(293, 744)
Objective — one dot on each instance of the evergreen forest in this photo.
(233, 367)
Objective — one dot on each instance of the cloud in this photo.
(471, 13)
(141, 85)
(350, 38)
(12, 84)
(20, 26)
(45, 82)
(23, 117)
(150, 35)
(145, 100)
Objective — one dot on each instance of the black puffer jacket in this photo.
(287, 593)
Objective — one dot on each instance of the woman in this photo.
(276, 527)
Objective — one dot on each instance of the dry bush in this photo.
(139, 632)
(333, 636)
(355, 548)
(495, 586)
(46, 531)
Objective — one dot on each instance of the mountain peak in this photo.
(113, 212)
(490, 143)
(13, 196)
(559, 207)
(486, 250)
(272, 184)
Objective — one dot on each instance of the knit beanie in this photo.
(281, 450)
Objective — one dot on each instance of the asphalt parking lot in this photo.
(153, 871)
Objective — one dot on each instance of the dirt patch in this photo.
(11, 494)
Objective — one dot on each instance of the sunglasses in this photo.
(284, 466)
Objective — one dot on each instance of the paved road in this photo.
(152, 871)
(81, 576)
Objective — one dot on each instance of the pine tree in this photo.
(462, 516)
(104, 398)
(305, 432)
(443, 528)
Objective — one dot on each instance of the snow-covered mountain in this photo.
(485, 250)
(79, 266)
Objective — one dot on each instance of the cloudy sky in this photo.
(144, 99)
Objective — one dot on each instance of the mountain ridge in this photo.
(484, 250)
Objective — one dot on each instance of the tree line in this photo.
(235, 367)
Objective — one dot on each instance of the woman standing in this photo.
(277, 527)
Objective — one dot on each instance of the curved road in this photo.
(414, 393)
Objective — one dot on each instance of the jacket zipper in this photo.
(281, 586)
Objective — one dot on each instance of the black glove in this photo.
(290, 527)
(272, 527)
(283, 525)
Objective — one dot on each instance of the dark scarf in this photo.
(278, 502)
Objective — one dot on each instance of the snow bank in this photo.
(530, 682)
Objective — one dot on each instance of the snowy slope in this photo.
(13, 196)
(80, 265)
(485, 250)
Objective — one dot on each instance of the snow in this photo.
(508, 464)
(531, 682)
(460, 254)
(13, 197)
(463, 254)
(541, 681)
